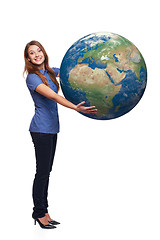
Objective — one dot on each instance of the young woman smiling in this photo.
(43, 86)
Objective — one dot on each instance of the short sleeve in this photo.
(56, 70)
(32, 81)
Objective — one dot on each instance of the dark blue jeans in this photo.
(45, 145)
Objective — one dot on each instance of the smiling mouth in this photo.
(38, 59)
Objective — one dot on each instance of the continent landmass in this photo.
(120, 54)
(96, 84)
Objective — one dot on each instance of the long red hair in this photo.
(31, 68)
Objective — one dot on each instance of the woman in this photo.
(43, 86)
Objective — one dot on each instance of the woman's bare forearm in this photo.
(64, 102)
(49, 93)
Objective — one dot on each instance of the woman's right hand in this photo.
(88, 110)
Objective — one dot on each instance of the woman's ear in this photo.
(29, 59)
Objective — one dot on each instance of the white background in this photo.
(106, 174)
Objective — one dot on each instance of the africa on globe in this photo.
(105, 70)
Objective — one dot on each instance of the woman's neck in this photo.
(41, 67)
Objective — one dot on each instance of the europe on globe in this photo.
(105, 70)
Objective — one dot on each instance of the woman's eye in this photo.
(39, 50)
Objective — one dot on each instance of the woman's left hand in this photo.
(88, 110)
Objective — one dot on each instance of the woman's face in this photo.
(36, 55)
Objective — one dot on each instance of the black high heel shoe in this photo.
(48, 226)
(53, 222)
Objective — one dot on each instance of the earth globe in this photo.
(106, 71)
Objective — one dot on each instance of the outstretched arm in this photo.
(49, 93)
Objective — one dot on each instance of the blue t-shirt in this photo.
(46, 118)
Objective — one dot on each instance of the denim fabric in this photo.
(45, 145)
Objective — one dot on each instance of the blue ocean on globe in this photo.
(105, 70)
